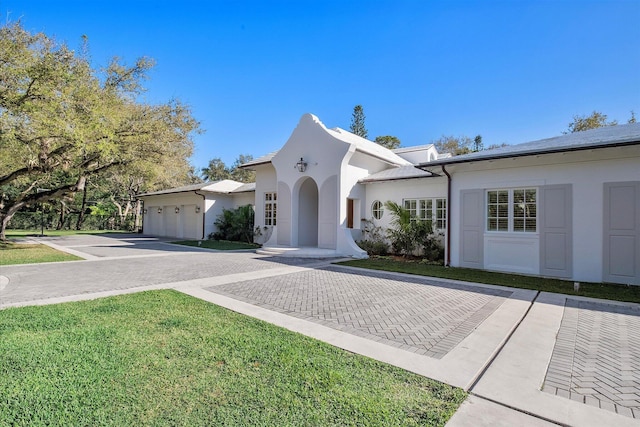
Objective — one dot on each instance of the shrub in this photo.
(407, 233)
(433, 248)
(374, 242)
(235, 225)
(411, 235)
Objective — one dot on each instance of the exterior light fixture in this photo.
(159, 210)
(177, 210)
(197, 209)
(301, 165)
(144, 211)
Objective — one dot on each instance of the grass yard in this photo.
(12, 234)
(25, 253)
(594, 290)
(165, 359)
(221, 245)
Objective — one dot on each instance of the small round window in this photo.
(377, 209)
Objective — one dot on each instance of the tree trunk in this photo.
(136, 222)
(119, 207)
(62, 217)
(82, 208)
(6, 217)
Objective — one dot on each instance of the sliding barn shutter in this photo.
(472, 233)
(621, 262)
(556, 240)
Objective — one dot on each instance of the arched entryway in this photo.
(308, 214)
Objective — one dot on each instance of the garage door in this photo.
(152, 221)
(170, 221)
(191, 224)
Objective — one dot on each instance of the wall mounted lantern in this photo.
(301, 165)
(159, 210)
(177, 210)
(144, 211)
(197, 209)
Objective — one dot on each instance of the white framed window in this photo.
(433, 209)
(525, 210)
(270, 204)
(425, 209)
(512, 210)
(498, 210)
(377, 209)
(441, 214)
(412, 206)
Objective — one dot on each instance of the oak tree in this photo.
(63, 122)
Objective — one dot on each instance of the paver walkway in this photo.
(596, 359)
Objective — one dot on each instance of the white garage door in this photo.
(191, 222)
(170, 218)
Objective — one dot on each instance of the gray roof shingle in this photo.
(403, 172)
(609, 136)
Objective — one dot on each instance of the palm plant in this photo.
(407, 232)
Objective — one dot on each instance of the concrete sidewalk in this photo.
(508, 351)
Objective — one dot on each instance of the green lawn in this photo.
(12, 234)
(24, 253)
(594, 290)
(221, 245)
(166, 359)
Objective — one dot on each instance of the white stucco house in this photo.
(566, 207)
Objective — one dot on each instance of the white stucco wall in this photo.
(397, 191)
(215, 203)
(587, 171)
(421, 154)
(243, 199)
(323, 155)
(265, 183)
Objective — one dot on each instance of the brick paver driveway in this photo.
(596, 359)
(124, 262)
(419, 315)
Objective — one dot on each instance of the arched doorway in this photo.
(308, 214)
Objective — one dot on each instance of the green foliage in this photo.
(411, 236)
(456, 146)
(357, 122)
(164, 358)
(64, 124)
(219, 245)
(373, 239)
(593, 121)
(218, 170)
(388, 141)
(477, 143)
(235, 224)
(407, 234)
(242, 175)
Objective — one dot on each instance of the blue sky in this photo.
(511, 71)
